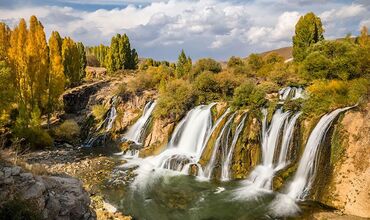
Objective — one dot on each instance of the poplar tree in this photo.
(18, 61)
(37, 53)
(71, 61)
(82, 54)
(308, 31)
(56, 80)
(4, 40)
(184, 65)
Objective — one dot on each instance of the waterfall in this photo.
(111, 118)
(261, 177)
(305, 173)
(221, 141)
(270, 137)
(291, 93)
(225, 170)
(190, 134)
(99, 136)
(136, 132)
(287, 138)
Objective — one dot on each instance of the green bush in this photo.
(17, 209)
(206, 64)
(175, 99)
(248, 95)
(68, 130)
(206, 88)
(255, 61)
(234, 62)
(34, 137)
(332, 60)
(99, 112)
(327, 95)
(227, 82)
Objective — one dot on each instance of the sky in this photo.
(203, 28)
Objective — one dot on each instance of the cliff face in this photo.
(348, 187)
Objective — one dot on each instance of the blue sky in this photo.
(204, 28)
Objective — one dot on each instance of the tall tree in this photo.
(184, 65)
(308, 31)
(4, 40)
(71, 61)
(56, 79)
(120, 56)
(37, 53)
(18, 62)
(82, 53)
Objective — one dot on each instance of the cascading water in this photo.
(291, 93)
(305, 173)
(221, 141)
(183, 150)
(100, 136)
(136, 131)
(225, 169)
(261, 177)
(287, 138)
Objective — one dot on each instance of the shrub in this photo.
(34, 137)
(327, 95)
(268, 87)
(99, 112)
(332, 60)
(206, 64)
(248, 95)
(175, 100)
(68, 130)
(255, 61)
(227, 82)
(272, 58)
(17, 209)
(142, 81)
(234, 62)
(206, 87)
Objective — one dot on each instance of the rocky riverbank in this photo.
(70, 177)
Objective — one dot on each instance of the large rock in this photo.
(76, 99)
(348, 186)
(54, 197)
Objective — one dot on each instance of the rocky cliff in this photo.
(348, 186)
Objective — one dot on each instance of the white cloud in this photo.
(202, 27)
(344, 12)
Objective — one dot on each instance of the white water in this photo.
(305, 173)
(260, 179)
(287, 139)
(270, 137)
(225, 169)
(221, 141)
(111, 118)
(291, 93)
(136, 131)
(191, 133)
(183, 150)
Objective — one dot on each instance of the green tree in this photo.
(234, 62)
(83, 60)
(248, 95)
(120, 56)
(308, 31)
(71, 61)
(184, 65)
(56, 81)
(255, 62)
(206, 64)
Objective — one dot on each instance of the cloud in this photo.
(204, 28)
